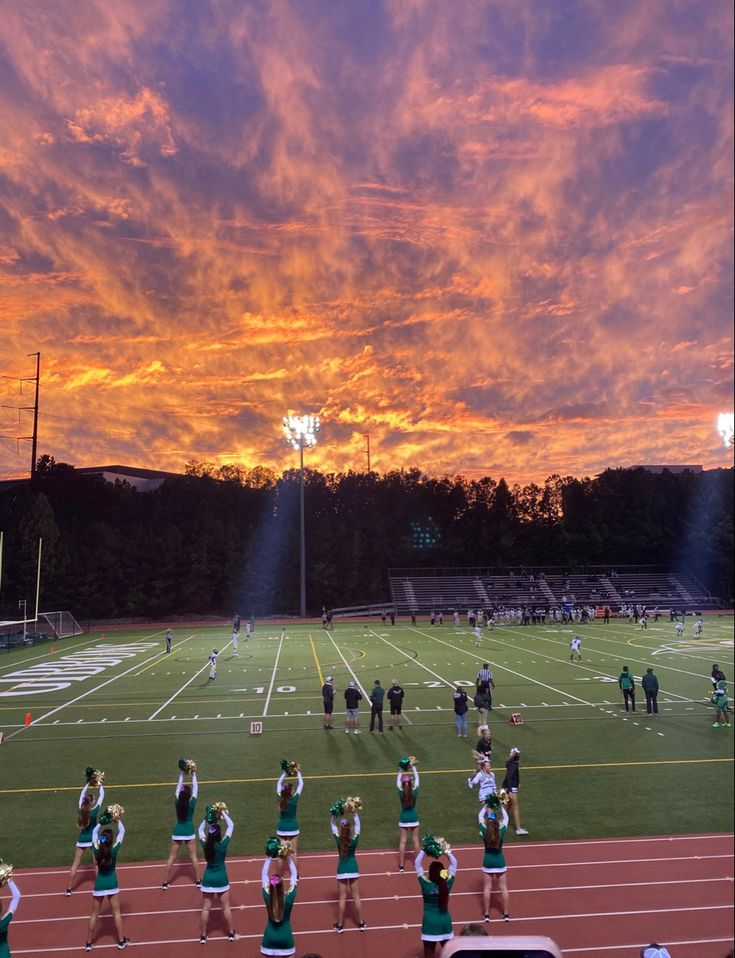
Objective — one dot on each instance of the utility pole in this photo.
(34, 437)
(366, 437)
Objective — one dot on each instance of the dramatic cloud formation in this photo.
(496, 237)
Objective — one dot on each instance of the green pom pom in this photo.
(431, 846)
(89, 772)
(492, 801)
(182, 764)
(105, 818)
(284, 764)
(210, 815)
(273, 847)
(337, 808)
(405, 763)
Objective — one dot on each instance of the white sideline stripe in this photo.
(273, 677)
(308, 856)
(330, 901)
(358, 683)
(402, 927)
(187, 683)
(84, 695)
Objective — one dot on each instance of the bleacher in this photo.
(422, 590)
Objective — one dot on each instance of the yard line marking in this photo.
(273, 676)
(187, 683)
(77, 699)
(358, 683)
(417, 662)
(437, 771)
(178, 644)
(316, 659)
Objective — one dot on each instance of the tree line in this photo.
(223, 539)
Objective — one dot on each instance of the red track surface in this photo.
(596, 899)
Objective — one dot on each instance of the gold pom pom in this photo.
(115, 812)
(285, 850)
(6, 873)
(190, 766)
(97, 778)
(443, 845)
(353, 803)
(413, 761)
(219, 809)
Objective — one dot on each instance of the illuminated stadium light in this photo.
(301, 431)
(725, 427)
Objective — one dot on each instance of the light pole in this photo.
(301, 431)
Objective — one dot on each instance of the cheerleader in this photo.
(106, 849)
(86, 820)
(288, 800)
(494, 868)
(5, 872)
(214, 879)
(436, 923)
(184, 836)
(407, 785)
(347, 838)
(484, 778)
(511, 784)
(278, 937)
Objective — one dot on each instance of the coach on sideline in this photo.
(328, 698)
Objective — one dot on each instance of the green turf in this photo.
(585, 772)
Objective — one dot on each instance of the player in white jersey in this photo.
(213, 664)
(235, 641)
(478, 636)
(698, 627)
(248, 630)
(680, 628)
(456, 619)
(576, 646)
(643, 622)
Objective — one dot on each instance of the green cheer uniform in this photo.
(493, 861)
(7, 918)
(347, 866)
(105, 884)
(435, 925)
(85, 835)
(278, 937)
(4, 946)
(214, 879)
(288, 823)
(408, 817)
(184, 831)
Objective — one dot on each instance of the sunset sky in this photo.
(496, 236)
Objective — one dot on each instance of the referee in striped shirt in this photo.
(485, 681)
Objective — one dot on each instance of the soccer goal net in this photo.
(49, 625)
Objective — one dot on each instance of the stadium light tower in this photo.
(300, 432)
(725, 427)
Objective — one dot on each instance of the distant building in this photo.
(144, 480)
(674, 469)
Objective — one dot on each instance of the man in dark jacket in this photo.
(328, 699)
(650, 687)
(376, 706)
(460, 711)
(395, 697)
(353, 697)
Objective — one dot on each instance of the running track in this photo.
(596, 899)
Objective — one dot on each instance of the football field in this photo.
(117, 701)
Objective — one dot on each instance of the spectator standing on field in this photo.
(460, 711)
(482, 703)
(328, 699)
(353, 697)
(627, 687)
(649, 684)
(169, 638)
(395, 698)
(376, 706)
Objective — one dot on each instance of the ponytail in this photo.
(84, 817)
(345, 837)
(182, 803)
(435, 875)
(214, 836)
(492, 834)
(103, 854)
(286, 793)
(407, 796)
(274, 902)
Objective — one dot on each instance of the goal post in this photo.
(16, 633)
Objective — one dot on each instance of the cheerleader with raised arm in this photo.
(347, 837)
(279, 900)
(89, 807)
(407, 785)
(215, 880)
(288, 796)
(6, 872)
(436, 924)
(184, 836)
(106, 848)
(493, 820)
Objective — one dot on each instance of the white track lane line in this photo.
(185, 685)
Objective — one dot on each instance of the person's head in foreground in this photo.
(473, 930)
(655, 951)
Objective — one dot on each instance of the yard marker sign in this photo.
(256, 728)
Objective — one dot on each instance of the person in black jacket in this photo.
(649, 683)
(353, 697)
(395, 697)
(460, 711)
(328, 698)
(511, 784)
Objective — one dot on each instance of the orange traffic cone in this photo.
(52, 650)
(28, 718)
